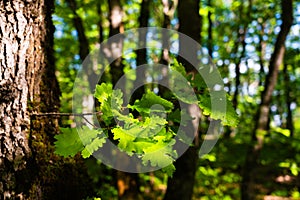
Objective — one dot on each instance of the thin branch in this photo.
(66, 114)
(89, 122)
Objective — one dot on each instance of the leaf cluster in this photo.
(150, 135)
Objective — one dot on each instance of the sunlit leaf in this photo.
(68, 142)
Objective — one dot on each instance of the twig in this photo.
(66, 114)
(89, 122)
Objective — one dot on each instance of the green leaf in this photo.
(92, 139)
(117, 100)
(111, 101)
(160, 154)
(228, 115)
(178, 67)
(151, 126)
(199, 82)
(169, 170)
(125, 118)
(145, 105)
(86, 134)
(180, 84)
(182, 89)
(92, 147)
(164, 136)
(180, 116)
(144, 129)
(103, 92)
(68, 143)
(125, 140)
(294, 169)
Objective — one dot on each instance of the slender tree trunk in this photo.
(248, 183)
(100, 21)
(261, 51)
(180, 186)
(84, 48)
(116, 46)
(288, 99)
(168, 11)
(141, 53)
(242, 32)
(209, 31)
(127, 183)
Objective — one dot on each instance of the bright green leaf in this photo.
(148, 100)
(92, 147)
(68, 142)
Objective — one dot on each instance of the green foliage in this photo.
(149, 136)
(159, 154)
(84, 140)
(68, 143)
(146, 104)
(103, 93)
(227, 115)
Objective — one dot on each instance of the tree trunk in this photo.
(127, 183)
(288, 99)
(180, 186)
(209, 31)
(248, 183)
(116, 46)
(165, 57)
(242, 32)
(28, 167)
(84, 48)
(141, 54)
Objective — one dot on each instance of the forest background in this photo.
(253, 44)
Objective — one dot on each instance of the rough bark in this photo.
(180, 186)
(248, 183)
(23, 33)
(16, 30)
(28, 167)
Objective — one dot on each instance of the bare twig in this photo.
(66, 114)
(90, 123)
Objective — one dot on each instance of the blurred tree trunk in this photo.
(141, 54)
(209, 31)
(180, 186)
(288, 99)
(242, 32)
(168, 11)
(261, 127)
(100, 22)
(261, 52)
(127, 183)
(84, 51)
(116, 45)
(84, 48)
(28, 167)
